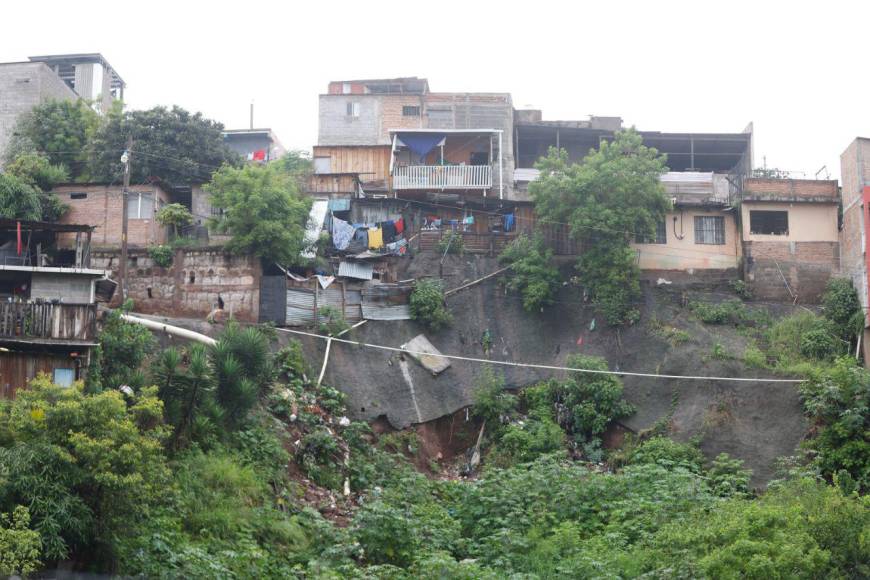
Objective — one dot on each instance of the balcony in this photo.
(47, 322)
(442, 177)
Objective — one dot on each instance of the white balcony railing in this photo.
(442, 177)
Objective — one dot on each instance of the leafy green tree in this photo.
(533, 273)
(173, 145)
(59, 130)
(38, 172)
(608, 198)
(18, 200)
(175, 215)
(264, 211)
(88, 466)
(427, 304)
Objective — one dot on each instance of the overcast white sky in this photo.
(798, 72)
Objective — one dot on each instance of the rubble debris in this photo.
(425, 353)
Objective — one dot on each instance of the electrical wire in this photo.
(539, 366)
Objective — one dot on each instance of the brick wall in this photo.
(102, 208)
(788, 189)
(806, 266)
(855, 174)
(191, 285)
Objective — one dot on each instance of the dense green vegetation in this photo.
(533, 272)
(229, 462)
(609, 199)
(427, 304)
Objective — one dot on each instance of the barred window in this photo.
(661, 236)
(411, 111)
(710, 229)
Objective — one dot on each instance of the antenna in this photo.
(252, 115)
(825, 169)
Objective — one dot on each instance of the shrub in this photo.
(803, 336)
(451, 242)
(427, 304)
(174, 215)
(533, 273)
(841, 305)
(727, 477)
(819, 344)
(331, 321)
(320, 456)
(727, 312)
(492, 402)
(124, 346)
(668, 453)
(161, 255)
(20, 546)
(741, 289)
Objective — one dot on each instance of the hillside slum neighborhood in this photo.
(397, 167)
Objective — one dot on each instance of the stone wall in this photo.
(191, 285)
(806, 267)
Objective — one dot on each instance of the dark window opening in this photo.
(411, 111)
(661, 236)
(769, 223)
(134, 261)
(192, 277)
(78, 196)
(710, 229)
(149, 293)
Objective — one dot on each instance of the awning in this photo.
(358, 270)
(422, 143)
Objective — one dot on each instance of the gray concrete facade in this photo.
(23, 85)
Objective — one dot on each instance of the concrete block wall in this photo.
(337, 128)
(190, 287)
(854, 175)
(790, 188)
(24, 85)
(806, 266)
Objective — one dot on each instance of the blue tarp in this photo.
(421, 143)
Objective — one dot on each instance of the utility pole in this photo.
(125, 159)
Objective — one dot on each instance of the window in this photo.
(78, 195)
(772, 223)
(353, 109)
(63, 377)
(479, 158)
(710, 229)
(322, 165)
(345, 88)
(661, 236)
(411, 111)
(140, 206)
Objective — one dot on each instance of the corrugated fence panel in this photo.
(273, 299)
(333, 298)
(300, 307)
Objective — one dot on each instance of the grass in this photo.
(674, 336)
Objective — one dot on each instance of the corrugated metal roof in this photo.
(379, 311)
(358, 270)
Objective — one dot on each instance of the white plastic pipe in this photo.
(169, 329)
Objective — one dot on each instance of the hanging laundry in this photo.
(376, 238)
(389, 228)
(342, 233)
(400, 225)
(509, 222)
(398, 248)
(469, 220)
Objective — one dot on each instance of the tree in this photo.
(175, 215)
(264, 211)
(170, 144)
(36, 170)
(533, 274)
(610, 197)
(124, 346)
(59, 130)
(18, 200)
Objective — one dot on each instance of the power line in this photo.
(540, 366)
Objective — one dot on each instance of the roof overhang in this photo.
(56, 270)
(447, 131)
